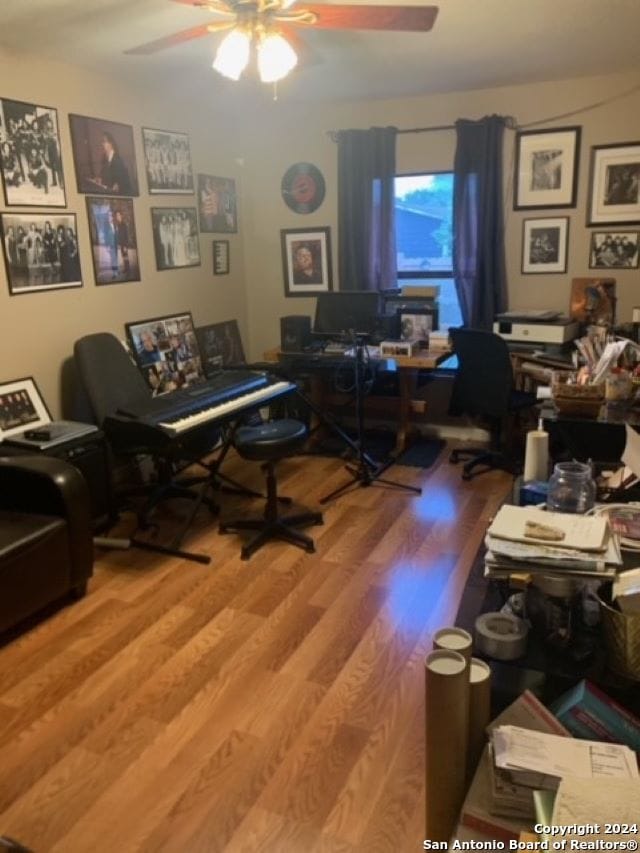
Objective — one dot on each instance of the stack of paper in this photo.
(527, 539)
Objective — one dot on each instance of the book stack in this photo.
(529, 540)
(587, 712)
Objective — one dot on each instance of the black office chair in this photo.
(484, 387)
(113, 383)
(268, 443)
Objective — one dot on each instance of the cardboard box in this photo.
(589, 713)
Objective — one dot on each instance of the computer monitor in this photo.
(341, 313)
(166, 351)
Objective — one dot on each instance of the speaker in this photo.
(295, 333)
(387, 328)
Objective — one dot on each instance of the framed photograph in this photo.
(167, 159)
(40, 251)
(114, 247)
(104, 156)
(217, 204)
(614, 186)
(306, 261)
(30, 155)
(21, 407)
(166, 351)
(544, 245)
(220, 345)
(416, 324)
(546, 168)
(220, 257)
(593, 301)
(614, 250)
(175, 237)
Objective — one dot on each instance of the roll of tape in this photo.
(501, 636)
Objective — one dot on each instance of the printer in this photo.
(539, 327)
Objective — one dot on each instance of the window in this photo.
(424, 237)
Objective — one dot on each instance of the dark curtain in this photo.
(478, 242)
(366, 212)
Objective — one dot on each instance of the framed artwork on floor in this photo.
(175, 237)
(30, 155)
(614, 186)
(167, 158)
(544, 245)
(220, 345)
(104, 156)
(614, 250)
(114, 247)
(21, 407)
(546, 172)
(41, 251)
(306, 261)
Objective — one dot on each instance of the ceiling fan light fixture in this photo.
(232, 56)
(276, 57)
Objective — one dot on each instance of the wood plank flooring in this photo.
(275, 704)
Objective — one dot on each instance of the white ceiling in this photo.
(474, 44)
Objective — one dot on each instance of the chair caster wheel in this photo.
(310, 549)
(454, 458)
(467, 476)
(222, 528)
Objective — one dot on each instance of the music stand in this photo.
(366, 471)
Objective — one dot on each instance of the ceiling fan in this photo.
(270, 26)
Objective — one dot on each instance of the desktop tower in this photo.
(295, 333)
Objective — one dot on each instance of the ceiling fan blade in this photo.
(178, 38)
(346, 17)
(209, 5)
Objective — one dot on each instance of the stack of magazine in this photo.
(528, 539)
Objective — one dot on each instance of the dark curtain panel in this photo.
(478, 242)
(366, 213)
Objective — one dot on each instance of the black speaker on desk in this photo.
(295, 333)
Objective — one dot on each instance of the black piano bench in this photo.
(269, 443)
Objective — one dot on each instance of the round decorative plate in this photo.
(303, 187)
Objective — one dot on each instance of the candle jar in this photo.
(571, 488)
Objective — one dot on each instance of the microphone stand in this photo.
(366, 471)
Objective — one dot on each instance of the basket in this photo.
(622, 640)
(582, 400)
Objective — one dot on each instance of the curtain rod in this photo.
(510, 122)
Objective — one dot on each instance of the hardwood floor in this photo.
(275, 704)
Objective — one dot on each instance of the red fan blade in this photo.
(210, 5)
(177, 38)
(347, 17)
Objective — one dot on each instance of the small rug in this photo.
(379, 444)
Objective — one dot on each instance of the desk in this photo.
(408, 368)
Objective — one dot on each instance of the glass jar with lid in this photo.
(571, 488)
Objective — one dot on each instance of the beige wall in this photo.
(284, 134)
(39, 329)
(256, 146)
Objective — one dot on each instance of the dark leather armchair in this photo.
(46, 539)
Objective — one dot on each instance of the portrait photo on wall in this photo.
(175, 237)
(166, 351)
(114, 247)
(30, 155)
(306, 261)
(614, 191)
(104, 156)
(41, 251)
(544, 245)
(614, 249)
(220, 345)
(546, 173)
(217, 205)
(167, 159)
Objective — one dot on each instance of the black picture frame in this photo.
(22, 406)
(104, 156)
(313, 274)
(166, 351)
(34, 260)
(614, 250)
(114, 245)
(31, 155)
(220, 345)
(544, 245)
(416, 324)
(167, 159)
(176, 244)
(221, 262)
(614, 185)
(546, 168)
(217, 205)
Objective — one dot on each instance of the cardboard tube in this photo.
(479, 711)
(446, 738)
(455, 640)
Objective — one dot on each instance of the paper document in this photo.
(550, 554)
(557, 529)
(541, 760)
(589, 801)
(631, 452)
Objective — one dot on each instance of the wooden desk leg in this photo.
(408, 382)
